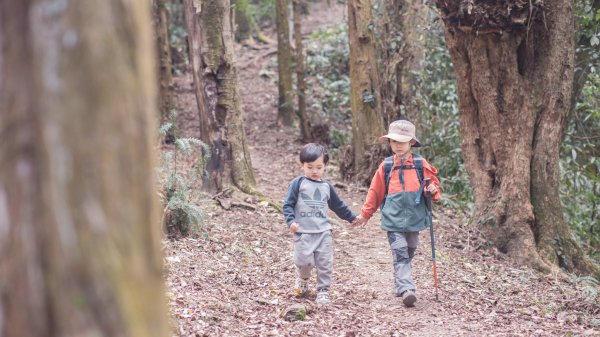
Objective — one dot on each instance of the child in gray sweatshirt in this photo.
(305, 209)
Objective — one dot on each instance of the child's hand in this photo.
(359, 221)
(294, 227)
(432, 189)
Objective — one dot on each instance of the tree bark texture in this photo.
(367, 122)
(79, 218)
(161, 28)
(285, 107)
(301, 85)
(210, 32)
(514, 69)
(400, 51)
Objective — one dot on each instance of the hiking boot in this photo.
(409, 298)
(301, 288)
(323, 298)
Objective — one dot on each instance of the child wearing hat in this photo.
(399, 191)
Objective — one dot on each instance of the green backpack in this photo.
(388, 168)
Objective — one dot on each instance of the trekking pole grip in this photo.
(427, 194)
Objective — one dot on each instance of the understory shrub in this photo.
(182, 214)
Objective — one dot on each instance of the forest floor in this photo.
(236, 277)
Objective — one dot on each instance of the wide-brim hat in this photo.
(401, 131)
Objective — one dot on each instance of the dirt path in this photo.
(236, 278)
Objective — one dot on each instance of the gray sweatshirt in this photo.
(306, 202)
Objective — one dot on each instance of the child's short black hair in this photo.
(311, 152)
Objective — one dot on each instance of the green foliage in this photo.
(182, 214)
(438, 120)
(588, 20)
(338, 138)
(263, 11)
(301, 315)
(580, 167)
(327, 78)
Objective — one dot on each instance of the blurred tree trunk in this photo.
(246, 27)
(210, 32)
(285, 107)
(367, 122)
(161, 28)
(401, 51)
(302, 114)
(79, 218)
(515, 81)
(244, 23)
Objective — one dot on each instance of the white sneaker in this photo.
(323, 298)
(301, 288)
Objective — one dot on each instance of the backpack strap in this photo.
(388, 166)
(388, 163)
(419, 167)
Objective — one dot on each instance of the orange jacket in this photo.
(411, 184)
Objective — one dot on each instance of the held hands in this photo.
(294, 227)
(359, 221)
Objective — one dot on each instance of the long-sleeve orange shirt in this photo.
(411, 184)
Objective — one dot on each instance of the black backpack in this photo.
(418, 165)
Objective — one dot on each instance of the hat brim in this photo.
(400, 138)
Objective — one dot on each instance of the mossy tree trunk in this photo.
(515, 80)
(246, 26)
(367, 121)
(300, 83)
(244, 23)
(210, 31)
(161, 29)
(79, 218)
(285, 107)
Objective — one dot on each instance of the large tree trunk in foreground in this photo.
(222, 127)
(79, 218)
(285, 107)
(514, 69)
(367, 123)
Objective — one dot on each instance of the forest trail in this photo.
(237, 277)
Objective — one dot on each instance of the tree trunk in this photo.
(246, 26)
(302, 114)
(400, 51)
(367, 122)
(211, 39)
(79, 218)
(285, 107)
(243, 20)
(161, 27)
(515, 76)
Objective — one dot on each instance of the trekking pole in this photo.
(428, 204)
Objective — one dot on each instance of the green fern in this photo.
(182, 214)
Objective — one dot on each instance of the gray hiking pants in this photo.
(403, 247)
(314, 250)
